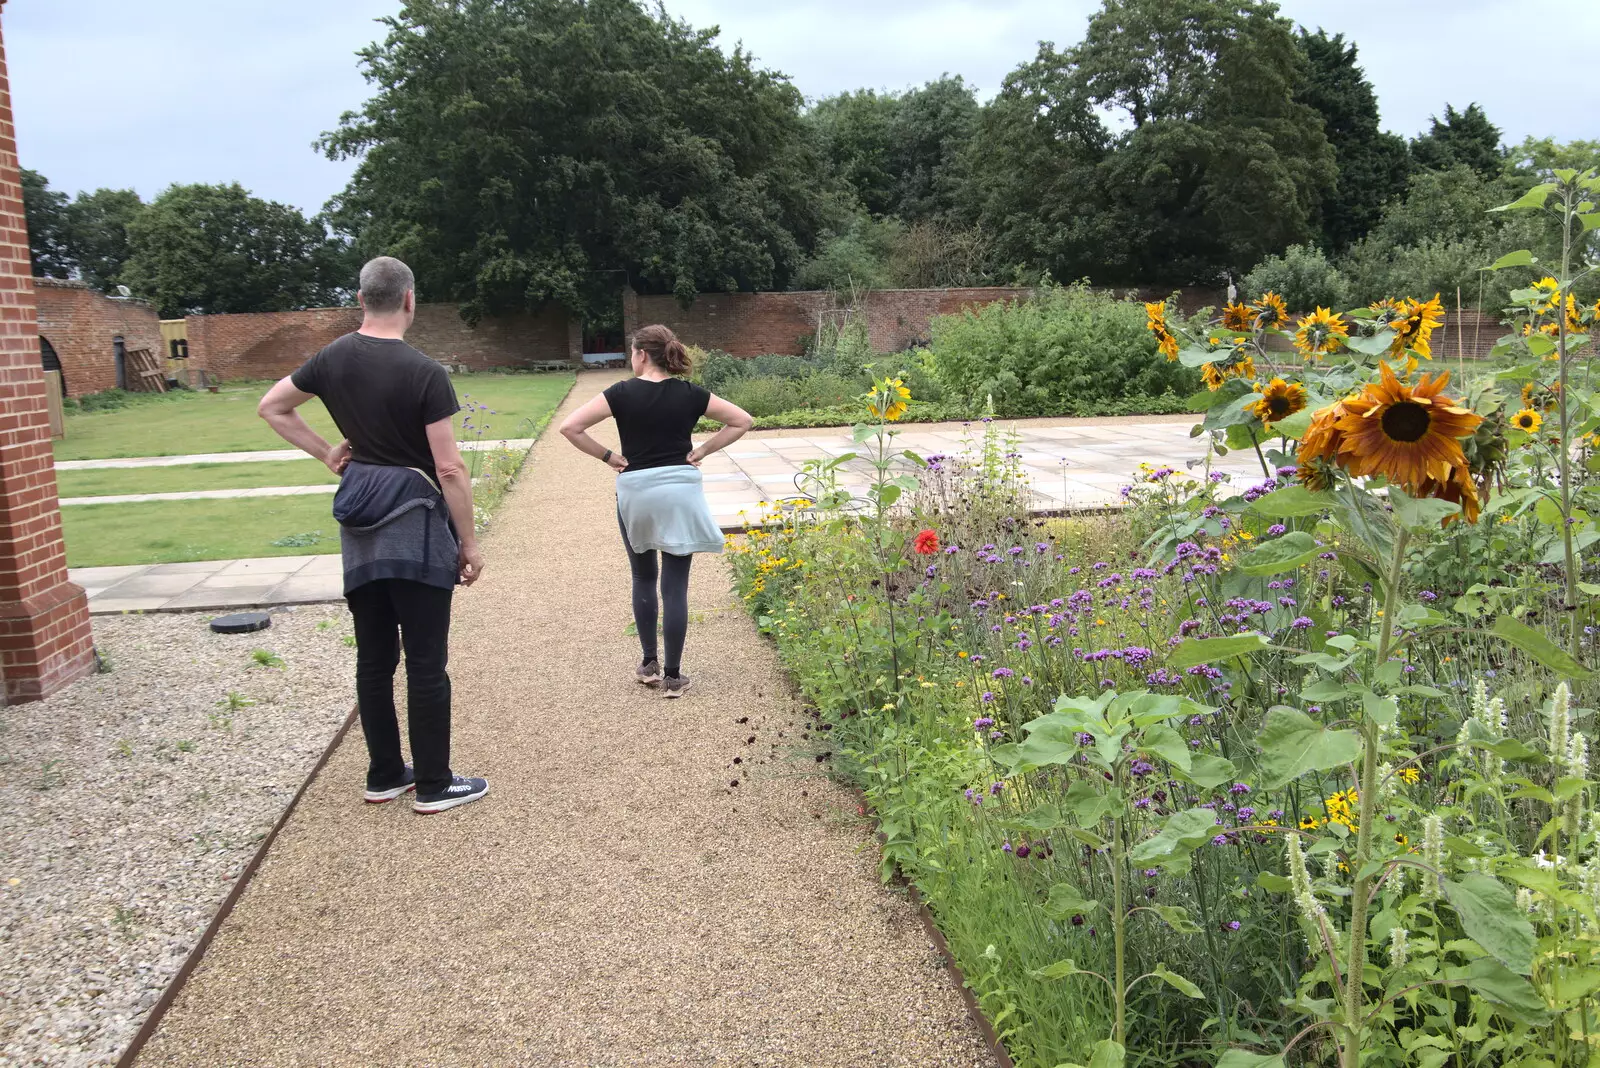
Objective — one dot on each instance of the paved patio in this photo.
(219, 585)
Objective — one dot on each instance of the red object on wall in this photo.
(45, 641)
(81, 324)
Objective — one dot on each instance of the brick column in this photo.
(45, 640)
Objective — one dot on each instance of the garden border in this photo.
(991, 1039)
(175, 986)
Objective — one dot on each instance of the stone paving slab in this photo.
(205, 495)
(221, 585)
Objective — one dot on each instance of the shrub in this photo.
(1303, 277)
(1068, 351)
(763, 394)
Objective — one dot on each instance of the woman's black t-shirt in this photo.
(655, 419)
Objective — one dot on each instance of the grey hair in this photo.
(384, 283)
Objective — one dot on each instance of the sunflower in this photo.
(1322, 332)
(1547, 294)
(1219, 371)
(1323, 440)
(1528, 421)
(1238, 316)
(887, 399)
(1279, 400)
(1156, 323)
(1574, 317)
(1527, 394)
(1270, 310)
(1415, 325)
(1407, 434)
(1385, 311)
(1457, 489)
(1211, 374)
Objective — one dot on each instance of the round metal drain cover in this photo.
(242, 623)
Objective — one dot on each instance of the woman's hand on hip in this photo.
(618, 462)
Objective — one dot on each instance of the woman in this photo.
(661, 501)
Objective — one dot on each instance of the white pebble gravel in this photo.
(131, 800)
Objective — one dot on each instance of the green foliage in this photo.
(1068, 351)
(98, 224)
(1372, 163)
(1464, 139)
(49, 243)
(592, 144)
(899, 152)
(1303, 277)
(856, 257)
(211, 249)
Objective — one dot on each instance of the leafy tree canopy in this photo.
(209, 249)
(46, 211)
(1223, 165)
(1464, 138)
(1372, 164)
(1538, 158)
(524, 151)
(97, 227)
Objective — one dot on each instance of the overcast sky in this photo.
(113, 93)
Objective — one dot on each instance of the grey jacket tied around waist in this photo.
(665, 508)
(394, 524)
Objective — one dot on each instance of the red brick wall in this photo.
(271, 344)
(81, 323)
(751, 324)
(45, 641)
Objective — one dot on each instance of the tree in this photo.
(1223, 166)
(930, 133)
(1029, 173)
(855, 135)
(1538, 158)
(1464, 137)
(1372, 164)
(524, 151)
(97, 227)
(46, 212)
(211, 249)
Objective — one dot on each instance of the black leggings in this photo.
(673, 575)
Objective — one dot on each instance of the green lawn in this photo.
(174, 531)
(168, 532)
(109, 481)
(180, 423)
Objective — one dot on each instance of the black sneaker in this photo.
(462, 791)
(674, 685)
(407, 783)
(649, 673)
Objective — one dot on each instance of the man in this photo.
(406, 529)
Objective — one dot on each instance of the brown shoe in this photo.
(674, 685)
(649, 673)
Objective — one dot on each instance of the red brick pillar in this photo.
(45, 640)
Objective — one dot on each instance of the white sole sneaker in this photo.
(670, 692)
(378, 797)
(425, 808)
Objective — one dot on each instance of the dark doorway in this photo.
(52, 362)
(120, 351)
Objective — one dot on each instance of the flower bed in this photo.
(1287, 773)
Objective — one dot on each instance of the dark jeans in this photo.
(391, 614)
(673, 575)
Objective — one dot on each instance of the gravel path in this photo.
(617, 900)
(127, 803)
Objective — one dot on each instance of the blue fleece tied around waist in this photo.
(665, 509)
(393, 523)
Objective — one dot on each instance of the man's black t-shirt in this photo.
(655, 419)
(382, 393)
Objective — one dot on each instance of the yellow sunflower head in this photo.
(1270, 310)
(887, 399)
(1547, 293)
(1408, 434)
(1415, 326)
(1211, 374)
(1384, 311)
(1527, 394)
(1279, 400)
(1156, 322)
(1574, 316)
(1238, 316)
(1528, 421)
(1320, 333)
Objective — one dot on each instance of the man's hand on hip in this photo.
(470, 562)
(338, 458)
